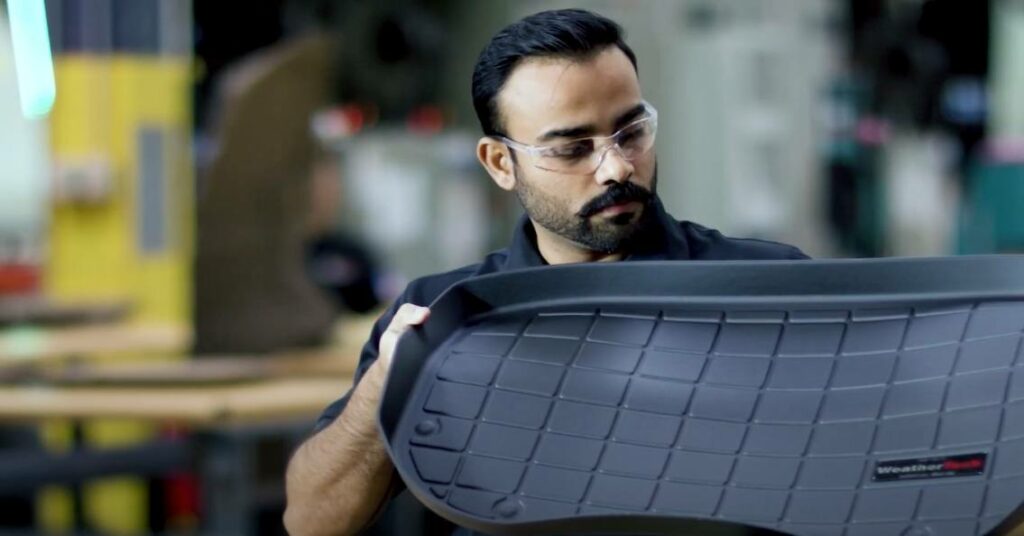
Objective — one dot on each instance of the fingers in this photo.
(407, 315)
(411, 314)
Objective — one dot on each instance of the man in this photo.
(565, 128)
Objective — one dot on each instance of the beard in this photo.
(603, 235)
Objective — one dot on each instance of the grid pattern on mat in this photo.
(769, 418)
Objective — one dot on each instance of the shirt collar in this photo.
(663, 241)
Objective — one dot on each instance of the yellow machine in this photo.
(122, 221)
(122, 121)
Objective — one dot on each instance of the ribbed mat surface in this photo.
(847, 422)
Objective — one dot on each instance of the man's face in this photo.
(549, 101)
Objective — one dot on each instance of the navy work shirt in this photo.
(668, 239)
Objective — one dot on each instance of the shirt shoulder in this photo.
(424, 290)
(421, 291)
(710, 244)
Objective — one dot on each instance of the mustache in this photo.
(621, 192)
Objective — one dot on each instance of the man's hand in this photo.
(408, 315)
(339, 478)
(371, 387)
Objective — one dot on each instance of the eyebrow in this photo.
(589, 130)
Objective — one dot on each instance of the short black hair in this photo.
(563, 33)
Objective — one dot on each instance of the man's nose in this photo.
(614, 167)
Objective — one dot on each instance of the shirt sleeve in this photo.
(796, 254)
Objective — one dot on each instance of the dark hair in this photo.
(569, 33)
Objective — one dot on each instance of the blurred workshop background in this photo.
(204, 204)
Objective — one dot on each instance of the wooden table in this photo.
(37, 309)
(40, 343)
(139, 371)
(328, 362)
(121, 352)
(202, 406)
(32, 344)
(226, 423)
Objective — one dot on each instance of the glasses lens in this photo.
(582, 157)
(636, 139)
(567, 157)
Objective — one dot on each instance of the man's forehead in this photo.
(550, 92)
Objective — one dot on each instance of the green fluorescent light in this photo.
(32, 57)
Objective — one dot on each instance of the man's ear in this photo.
(497, 160)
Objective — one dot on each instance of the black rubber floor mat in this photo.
(866, 397)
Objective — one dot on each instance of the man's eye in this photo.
(571, 150)
(631, 135)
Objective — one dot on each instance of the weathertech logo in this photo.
(963, 465)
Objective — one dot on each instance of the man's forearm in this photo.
(339, 478)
